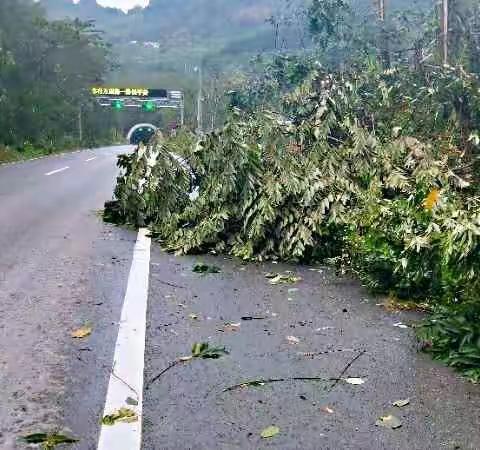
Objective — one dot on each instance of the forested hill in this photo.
(167, 21)
(225, 29)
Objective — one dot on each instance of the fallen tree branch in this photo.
(156, 377)
(171, 284)
(342, 373)
(262, 382)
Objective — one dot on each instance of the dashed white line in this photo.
(57, 171)
(126, 378)
(90, 159)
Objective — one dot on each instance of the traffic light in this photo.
(117, 105)
(149, 106)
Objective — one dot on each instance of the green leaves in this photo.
(205, 268)
(203, 350)
(452, 335)
(48, 440)
(270, 432)
(125, 415)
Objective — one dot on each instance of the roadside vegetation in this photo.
(46, 71)
(362, 153)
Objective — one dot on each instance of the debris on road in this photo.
(400, 325)
(199, 350)
(123, 415)
(131, 401)
(264, 381)
(327, 409)
(355, 381)
(231, 326)
(287, 278)
(246, 318)
(270, 432)
(205, 268)
(48, 440)
(389, 422)
(203, 350)
(401, 403)
(82, 332)
(293, 340)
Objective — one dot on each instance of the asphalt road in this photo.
(62, 268)
(315, 328)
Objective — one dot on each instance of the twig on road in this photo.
(342, 373)
(124, 382)
(156, 377)
(171, 284)
(262, 382)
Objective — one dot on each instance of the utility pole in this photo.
(383, 45)
(381, 10)
(80, 124)
(182, 113)
(200, 101)
(444, 23)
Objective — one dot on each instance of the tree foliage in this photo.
(46, 70)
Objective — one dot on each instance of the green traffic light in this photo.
(149, 106)
(117, 104)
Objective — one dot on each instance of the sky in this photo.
(122, 4)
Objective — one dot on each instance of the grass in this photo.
(11, 155)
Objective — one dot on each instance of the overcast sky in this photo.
(123, 4)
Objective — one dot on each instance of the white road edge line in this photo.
(57, 171)
(126, 378)
(90, 159)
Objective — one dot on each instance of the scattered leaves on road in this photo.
(354, 381)
(389, 422)
(401, 403)
(232, 326)
(123, 415)
(270, 432)
(82, 332)
(278, 278)
(48, 440)
(203, 350)
(131, 401)
(205, 268)
(271, 275)
(293, 340)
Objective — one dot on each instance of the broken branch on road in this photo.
(201, 350)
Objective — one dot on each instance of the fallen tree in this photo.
(377, 172)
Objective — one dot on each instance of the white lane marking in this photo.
(90, 159)
(126, 379)
(57, 171)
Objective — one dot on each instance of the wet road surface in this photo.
(60, 268)
(187, 409)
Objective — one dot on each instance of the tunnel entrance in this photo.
(141, 132)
